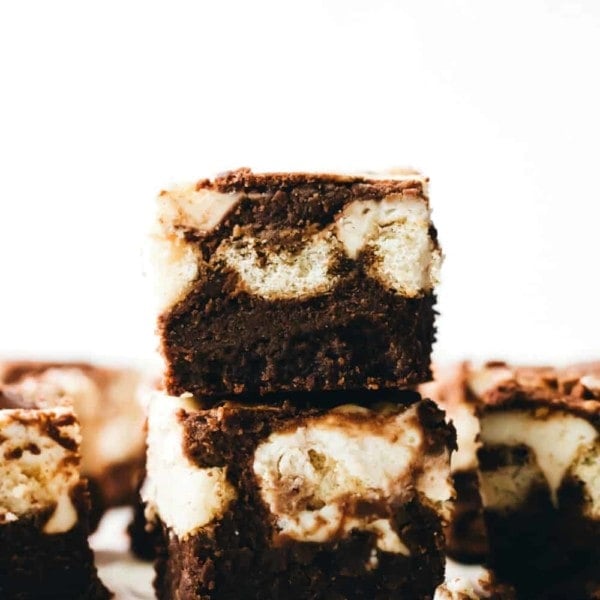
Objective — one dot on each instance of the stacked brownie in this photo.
(287, 457)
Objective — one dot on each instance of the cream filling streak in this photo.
(395, 229)
(36, 472)
(185, 496)
(284, 274)
(307, 475)
(556, 439)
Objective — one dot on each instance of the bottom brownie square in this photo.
(299, 501)
(44, 506)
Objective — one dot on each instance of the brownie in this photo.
(34, 565)
(44, 505)
(106, 403)
(539, 466)
(291, 282)
(314, 498)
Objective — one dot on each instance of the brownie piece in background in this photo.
(539, 465)
(108, 407)
(44, 505)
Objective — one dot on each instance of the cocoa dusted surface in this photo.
(553, 388)
(243, 556)
(220, 340)
(359, 336)
(304, 185)
(38, 566)
(280, 209)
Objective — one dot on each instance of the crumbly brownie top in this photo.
(276, 208)
(209, 446)
(244, 180)
(575, 388)
(246, 221)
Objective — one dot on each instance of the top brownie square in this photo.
(295, 282)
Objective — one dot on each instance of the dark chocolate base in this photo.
(544, 552)
(35, 566)
(117, 486)
(359, 336)
(243, 555)
(239, 562)
(143, 535)
(466, 538)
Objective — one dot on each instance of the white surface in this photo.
(127, 577)
(104, 104)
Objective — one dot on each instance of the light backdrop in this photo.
(103, 104)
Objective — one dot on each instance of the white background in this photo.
(102, 104)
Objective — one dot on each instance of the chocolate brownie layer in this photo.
(299, 501)
(44, 504)
(539, 466)
(36, 565)
(106, 403)
(295, 282)
(143, 533)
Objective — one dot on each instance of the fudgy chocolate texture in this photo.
(466, 537)
(116, 486)
(35, 565)
(234, 565)
(242, 555)
(143, 534)
(545, 551)
(358, 336)
(219, 339)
